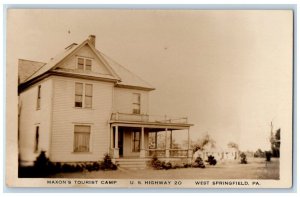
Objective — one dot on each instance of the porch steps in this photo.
(132, 163)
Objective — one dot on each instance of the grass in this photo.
(255, 169)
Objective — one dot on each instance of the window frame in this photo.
(84, 96)
(89, 140)
(136, 104)
(85, 59)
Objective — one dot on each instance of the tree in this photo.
(201, 143)
(275, 143)
(259, 153)
(233, 145)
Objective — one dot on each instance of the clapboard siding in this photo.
(30, 117)
(123, 99)
(65, 116)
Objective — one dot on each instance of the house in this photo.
(81, 105)
(219, 153)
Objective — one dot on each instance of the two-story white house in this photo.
(81, 105)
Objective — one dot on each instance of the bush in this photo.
(106, 164)
(42, 166)
(159, 165)
(199, 163)
(211, 160)
(186, 165)
(243, 158)
(259, 153)
(167, 165)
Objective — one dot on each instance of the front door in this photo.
(136, 139)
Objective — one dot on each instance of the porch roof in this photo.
(152, 125)
(149, 121)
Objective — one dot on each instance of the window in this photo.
(78, 94)
(84, 64)
(80, 65)
(152, 140)
(136, 103)
(88, 64)
(36, 143)
(88, 95)
(135, 141)
(38, 101)
(82, 138)
(86, 90)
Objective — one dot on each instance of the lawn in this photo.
(255, 169)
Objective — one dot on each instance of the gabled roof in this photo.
(68, 52)
(128, 79)
(27, 67)
(123, 77)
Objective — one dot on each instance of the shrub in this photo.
(186, 165)
(259, 153)
(211, 160)
(243, 158)
(167, 165)
(42, 166)
(199, 163)
(106, 164)
(155, 163)
(159, 165)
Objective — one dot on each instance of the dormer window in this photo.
(84, 64)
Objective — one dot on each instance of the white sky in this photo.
(230, 72)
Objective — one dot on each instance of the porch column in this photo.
(171, 139)
(166, 142)
(111, 137)
(142, 148)
(116, 149)
(190, 152)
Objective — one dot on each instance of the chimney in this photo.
(92, 39)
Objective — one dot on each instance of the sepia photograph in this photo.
(119, 98)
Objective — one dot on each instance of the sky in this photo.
(229, 72)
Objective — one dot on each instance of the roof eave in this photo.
(135, 87)
(25, 85)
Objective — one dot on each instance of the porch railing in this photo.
(147, 118)
(167, 152)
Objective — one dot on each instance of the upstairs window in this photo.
(136, 103)
(83, 95)
(38, 101)
(78, 94)
(84, 64)
(88, 95)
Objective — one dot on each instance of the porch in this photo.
(136, 136)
